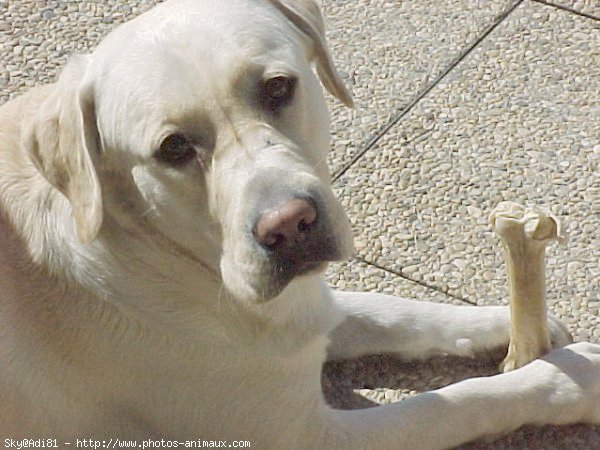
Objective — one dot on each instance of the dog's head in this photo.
(206, 120)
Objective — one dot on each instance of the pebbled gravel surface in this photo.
(517, 119)
(36, 37)
(585, 6)
(388, 51)
(357, 275)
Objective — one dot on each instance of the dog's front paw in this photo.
(573, 372)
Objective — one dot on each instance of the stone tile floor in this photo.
(459, 104)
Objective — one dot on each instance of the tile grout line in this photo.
(371, 143)
(567, 8)
(420, 283)
(383, 131)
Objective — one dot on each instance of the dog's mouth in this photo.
(309, 268)
(277, 274)
(280, 277)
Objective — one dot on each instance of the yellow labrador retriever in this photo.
(165, 215)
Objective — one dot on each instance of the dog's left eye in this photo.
(176, 150)
(278, 92)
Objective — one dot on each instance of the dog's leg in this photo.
(377, 323)
(562, 387)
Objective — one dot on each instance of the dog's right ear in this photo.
(306, 16)
(62, 141)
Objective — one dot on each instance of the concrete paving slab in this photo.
(357, 275)
(388, 51)
(37, 37)
(584, 6)
(518, 120)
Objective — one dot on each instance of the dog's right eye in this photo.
(176, 150)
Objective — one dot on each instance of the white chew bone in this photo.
(525, 233)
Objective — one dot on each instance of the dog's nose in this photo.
(286, 226)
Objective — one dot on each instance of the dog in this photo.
(166, 216)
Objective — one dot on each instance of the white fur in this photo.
(156, 325)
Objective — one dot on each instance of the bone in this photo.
(525, 233)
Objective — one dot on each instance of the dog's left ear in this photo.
(62, 141)
(306, 16)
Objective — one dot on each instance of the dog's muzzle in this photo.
(295, 238)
